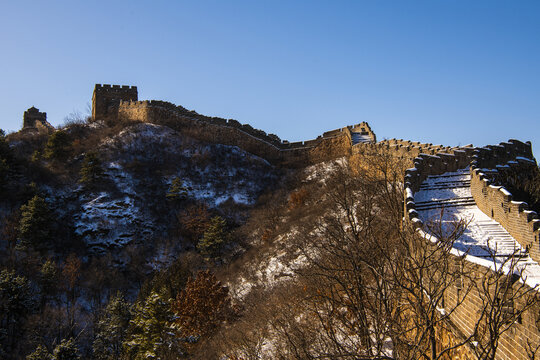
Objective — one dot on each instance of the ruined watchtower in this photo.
(33, 119)
(106, 99)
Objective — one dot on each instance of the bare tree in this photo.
(424, 274)
(371, 287)
(505, 297)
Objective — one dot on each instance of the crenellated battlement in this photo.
(106, 99)
(492, 155)
(107, 87)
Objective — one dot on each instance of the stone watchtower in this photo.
(106, 99)
(33, 119)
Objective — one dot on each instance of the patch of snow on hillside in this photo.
(323, 170)
(273, 269)
(106, 220)
(136, 138)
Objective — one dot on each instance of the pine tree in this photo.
(6, 160)
(66, 350)
(58, 146)
(16, 302)
(40, 353)
(177, 191)
(151, 331)
(112, 328)
(5, 151)
(91, 170)
(48, 279)
(4, 174)
(35, 225)
(214, 238)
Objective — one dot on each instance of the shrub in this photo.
(58, 146)
(34, 227)
(214, 238)
(91, 170)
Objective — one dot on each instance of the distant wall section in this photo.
(106, 99)
(34, 120)
(330, 145)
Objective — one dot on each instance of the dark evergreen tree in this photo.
(214, 238)
(151, 329)
(177, 191)
(112, 328)
(58, 146)
(35, 225)
(49, 278)
(6, 161)
(16, 301)
(91, 170)
(4, 174)
(5, 151)
(66, 350)
(40, 353)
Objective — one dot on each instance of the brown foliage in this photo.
(202, 306)
(72, 270)
(298, 198)
(194, 221)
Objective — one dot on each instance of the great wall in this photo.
(508, 227)
(469, 171)
(113, 103)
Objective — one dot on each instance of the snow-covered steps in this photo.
(446, 184)
(447, 197)
(360, 138)
(442, 204)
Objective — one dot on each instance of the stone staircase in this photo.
(358, 138)
(449, 195)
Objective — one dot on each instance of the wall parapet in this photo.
(465, 300)
(180, 111)
(428, 164)
(330, 144)
(492, 155)
(497, 202)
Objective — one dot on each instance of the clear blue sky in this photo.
(449, 72)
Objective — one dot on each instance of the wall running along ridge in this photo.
(521, 223)
(119, 103)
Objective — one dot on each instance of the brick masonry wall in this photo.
(513, 344)
(497, 202)
(106, 98)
